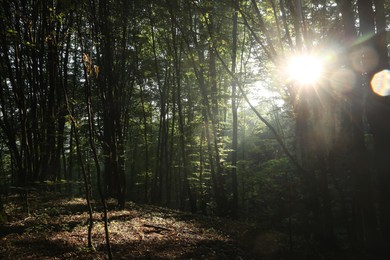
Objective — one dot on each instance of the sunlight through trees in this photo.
(273, 112)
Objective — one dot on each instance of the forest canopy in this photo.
(275, 112)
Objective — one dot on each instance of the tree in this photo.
(234, 114)
(374, 59)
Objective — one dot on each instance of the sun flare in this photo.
(304, 69)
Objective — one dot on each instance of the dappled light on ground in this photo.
(380, 83)
(58, 230)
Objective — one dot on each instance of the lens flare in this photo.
(342, 80)
(380, 83)
(305, 69)
(364, 59)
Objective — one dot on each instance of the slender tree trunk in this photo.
(187, 191)
(146, 143)
(162, 170)
(234, 116)
(87, 185)
(203, 205)
(91, 131)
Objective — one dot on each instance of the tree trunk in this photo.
(378, 107)
(234, 116)
(363, 217)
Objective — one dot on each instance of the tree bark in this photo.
(234, 115)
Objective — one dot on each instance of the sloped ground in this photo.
(57, 229)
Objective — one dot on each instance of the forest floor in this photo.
(57, 228)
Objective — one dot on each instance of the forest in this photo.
(194, 129)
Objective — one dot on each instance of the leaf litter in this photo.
(57, 229)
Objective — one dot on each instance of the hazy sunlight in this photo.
(304, 69)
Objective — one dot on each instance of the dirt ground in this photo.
(57, 228)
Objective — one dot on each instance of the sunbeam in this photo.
(304, 69)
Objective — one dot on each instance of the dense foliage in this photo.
(187, 104)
